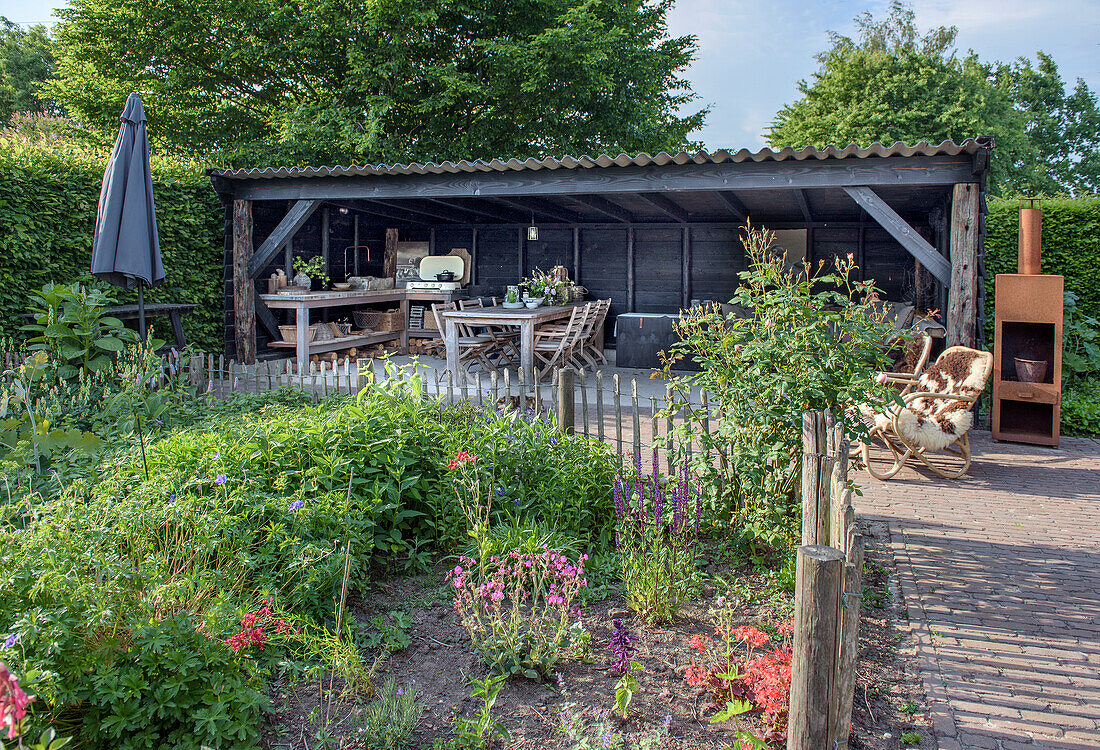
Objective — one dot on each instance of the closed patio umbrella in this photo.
(125, 248)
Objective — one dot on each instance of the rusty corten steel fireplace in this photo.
(1027, 368)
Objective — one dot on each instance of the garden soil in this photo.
(440, 661)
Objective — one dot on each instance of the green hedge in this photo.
(1071, 247)
(48, 199)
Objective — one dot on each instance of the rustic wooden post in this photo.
(565, 400)
(962, 299)
(244, 304)
(389, 256)
(819, 577)
(814, 488)
(849, 635)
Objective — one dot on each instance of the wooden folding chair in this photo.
(589, 352)
(555, 344)
(506, 338)
(472, 348)
(936, 415)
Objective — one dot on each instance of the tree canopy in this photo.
(265, 81)
(891, 83)
(26, 59)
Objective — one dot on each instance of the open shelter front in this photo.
(652, 233)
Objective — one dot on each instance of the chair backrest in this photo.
(959, 370)
(471, 304)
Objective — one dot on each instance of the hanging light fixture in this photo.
(532, 231)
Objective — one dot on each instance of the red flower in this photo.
(751, 635)
(696, 674)
(460, 457)
(699, 642)
(785, 628)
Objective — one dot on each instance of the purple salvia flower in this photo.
(618, 497)
(622, 646)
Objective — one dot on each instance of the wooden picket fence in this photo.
(604, 406)
(828, 591)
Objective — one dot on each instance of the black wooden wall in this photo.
(602, 263)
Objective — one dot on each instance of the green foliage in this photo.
(626, 687)
(478, 733)
(395, 80)
(387, 636)
(1081, 407)
(910, 738)
(390, 718)
(314, 268)
(892, 84)
(71, 326)
(48, 740)
(26, 59)
(807, 343)
(49, 192)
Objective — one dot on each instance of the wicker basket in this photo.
(322, 332)
(367, 319)
(391, 320)
(290, 333)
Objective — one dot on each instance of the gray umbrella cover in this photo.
(126, 247)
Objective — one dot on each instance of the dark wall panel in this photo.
(554, 247)
(603, 270)
(658, 270)
(497, 260)
(716, 258)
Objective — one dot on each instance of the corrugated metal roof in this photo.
(924, 148)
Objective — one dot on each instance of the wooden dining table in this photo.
(527, 320)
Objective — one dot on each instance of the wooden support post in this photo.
(325, 219)
(355, 243)
(473, 257)
(577, 255)
(630, 268)
(685, 267)
(389, 257)
(962, 312)
(244, 288)
(565, 400)
(819, 575)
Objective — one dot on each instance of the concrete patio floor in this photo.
(1000, 573)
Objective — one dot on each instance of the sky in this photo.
(752, 53)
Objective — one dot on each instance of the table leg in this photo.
(301, 320)
(177, 329)
(405, 330)
(450, 340)
(527, 351)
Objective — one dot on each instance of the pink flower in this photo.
(13, 703)
(880, 378)
(768, 323)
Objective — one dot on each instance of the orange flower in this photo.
(699, 642)
(751, 635)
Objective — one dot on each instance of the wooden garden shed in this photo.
(653, 233)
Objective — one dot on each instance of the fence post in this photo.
(813, 463)
(565, 400)
(849, 636)
(817, 604)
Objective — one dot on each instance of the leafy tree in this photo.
(26, 59)
(337, 80)
(890, 84)
(1063, 127)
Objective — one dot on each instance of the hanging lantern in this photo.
(532, 231)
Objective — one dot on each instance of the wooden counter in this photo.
(303, 302)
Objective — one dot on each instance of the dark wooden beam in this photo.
(389, 255)
(685, 269)
(630, 285)
(577, 255)
(667, 206)
(298, 214)
(481, 209)
(540, 208)
(266, 317)
(735, 205)
(406, 208)
(764, 175)
(901, 231)
(244, 288)
(803, 205)
(386, 212)
(604, 206)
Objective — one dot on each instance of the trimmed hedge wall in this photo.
(1071, 247)
(48, 200)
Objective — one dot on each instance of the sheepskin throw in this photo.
(935, 423)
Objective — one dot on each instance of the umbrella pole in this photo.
(141, 310)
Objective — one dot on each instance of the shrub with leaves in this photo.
(806, 341)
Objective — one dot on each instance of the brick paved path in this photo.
(1000, 572)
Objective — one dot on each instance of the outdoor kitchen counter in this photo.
(303, 302)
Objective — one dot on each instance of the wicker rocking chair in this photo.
(936, 415)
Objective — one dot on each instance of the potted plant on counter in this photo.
(308, 271)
